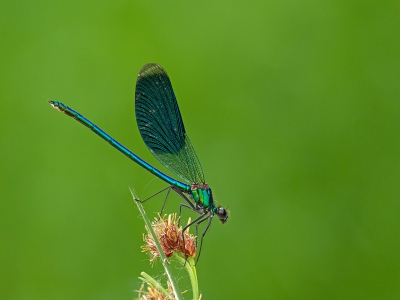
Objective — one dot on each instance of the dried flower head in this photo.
(153, 293)
(170, 237)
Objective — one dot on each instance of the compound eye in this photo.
(221, 211)
(222, 214)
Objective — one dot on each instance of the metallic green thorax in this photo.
(202, 194)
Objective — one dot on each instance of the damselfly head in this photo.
(222, 214)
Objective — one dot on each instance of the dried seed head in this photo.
(153, 293)
(170, 236)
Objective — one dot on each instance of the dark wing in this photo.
(161, 126)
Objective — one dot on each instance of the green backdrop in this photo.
(293, 108)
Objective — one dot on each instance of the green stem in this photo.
(191, 269)
(164, 261)
(151, 281)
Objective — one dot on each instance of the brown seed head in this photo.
(170, 236)
(153, 293)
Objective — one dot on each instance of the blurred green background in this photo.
(293, 108)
